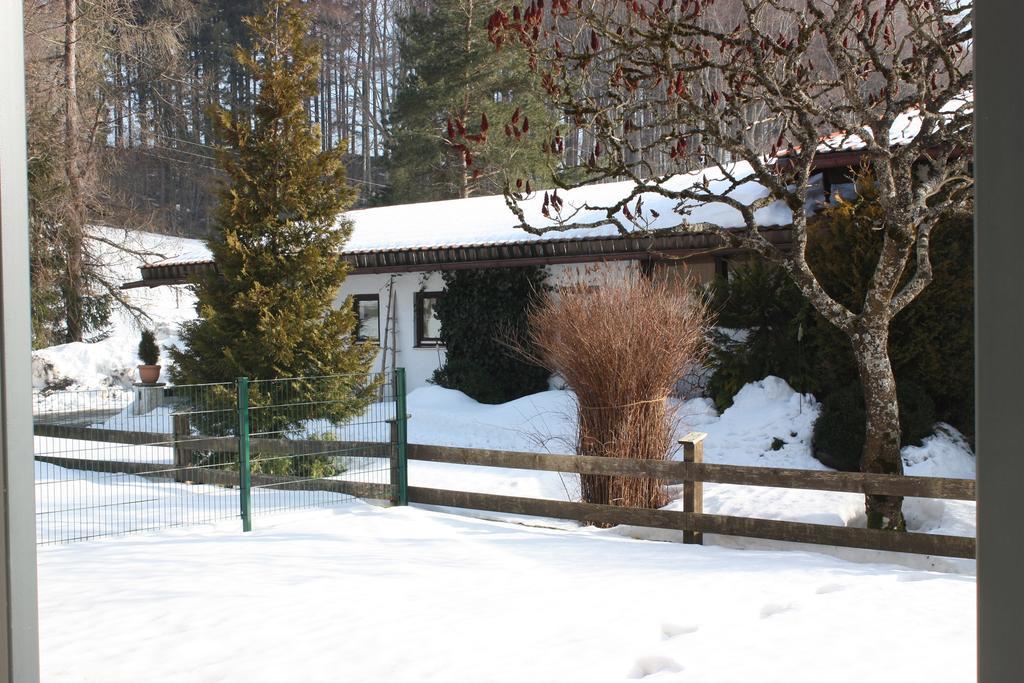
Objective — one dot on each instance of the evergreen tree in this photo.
(456, 86)
(267, 310)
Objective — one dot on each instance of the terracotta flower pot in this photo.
(149, 374)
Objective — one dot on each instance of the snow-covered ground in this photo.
(75, 504)
(108, 365)
(358, 593)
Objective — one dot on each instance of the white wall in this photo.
(420, 363)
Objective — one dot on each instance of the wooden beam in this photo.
(795, 532)
(693, 491)
(850, 482)
(104, 435)
(215, 476)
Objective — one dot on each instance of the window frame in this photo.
(722, 268)
(356, 300)
(424, 342)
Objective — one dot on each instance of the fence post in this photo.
(182, 454)
(244, 471)
(693, 491)
(401, 439)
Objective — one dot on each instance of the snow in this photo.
(159, 420)
(904, 130)
(75, 504)
(742, 435)
(101, 450)
(487, 220)
(110, 362)
(358, 593)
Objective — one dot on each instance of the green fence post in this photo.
(401, 421)
(244, 468)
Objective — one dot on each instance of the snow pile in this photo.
(357, 593)
(111, 360)
(544, 422)
(944, 454)
(767, 425)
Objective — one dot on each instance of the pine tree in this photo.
(267, 311)
(456, 86)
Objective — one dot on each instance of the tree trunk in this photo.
(71, 287)
(882, 423)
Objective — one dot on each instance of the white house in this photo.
(397, 254)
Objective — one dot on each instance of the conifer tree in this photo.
(443, 145)
(267, 311)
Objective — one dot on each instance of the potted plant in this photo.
(149, 354)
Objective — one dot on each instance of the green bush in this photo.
(839, 430)
(149, 352)
(774, 318)
(481, 313)
(931, 341)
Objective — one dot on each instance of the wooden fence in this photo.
(692, 472)
(692, 520)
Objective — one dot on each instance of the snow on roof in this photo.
(479, 221)
(191, 251)
(904, 129)
(487, 220)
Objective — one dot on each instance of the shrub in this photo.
(774, 318)
(931, 341)
(838, 438)
(149, 352)
(621, 347)
(483, 316)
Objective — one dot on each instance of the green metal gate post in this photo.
(402, 425)
(244, 468)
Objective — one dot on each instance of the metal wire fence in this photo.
(112, 462)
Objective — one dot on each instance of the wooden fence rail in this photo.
(849, 482)
(692, 520)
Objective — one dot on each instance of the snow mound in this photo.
(945, 453)
(768, 425)
(544, 422)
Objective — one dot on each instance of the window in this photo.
(722, 267)
(428, 327)
(367, 308)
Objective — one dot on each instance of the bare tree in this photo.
(889, 79)
(72, 80)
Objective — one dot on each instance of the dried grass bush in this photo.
(622, 344)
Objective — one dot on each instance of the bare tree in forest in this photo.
(71, 84)
(890, 78)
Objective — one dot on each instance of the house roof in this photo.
(482, 230)
(487, 221)
(478, 230)
(842, 148)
